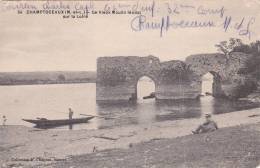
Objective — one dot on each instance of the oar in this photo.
(88, 115)
(97, 116)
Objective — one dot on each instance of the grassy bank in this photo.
(232, 147)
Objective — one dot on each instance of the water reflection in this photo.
(145, 107)
(207, 83)
(124, 112)
(69, 126)
(207, 105)
(220, 106)
(52, 102)
(164, 110)
(177, 109)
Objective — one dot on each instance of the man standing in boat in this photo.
(70, 113)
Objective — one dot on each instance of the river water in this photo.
(53, 101)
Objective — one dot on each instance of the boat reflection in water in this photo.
(70, 126)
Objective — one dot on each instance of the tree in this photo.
(226, 47)
(252, 64)
(61, 77)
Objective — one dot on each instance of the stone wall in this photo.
(224, 69)
(177, 81)
(117, 77)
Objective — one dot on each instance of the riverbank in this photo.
(253, 97)
(29, 146)
(231, 147)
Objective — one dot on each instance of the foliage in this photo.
(178, 74)
(252, 48)
(226, 47)
(252, 64)
(242, 90)
(61, 77)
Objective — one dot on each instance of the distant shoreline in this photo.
(51, 83)
(46, 78)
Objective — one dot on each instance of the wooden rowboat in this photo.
(43, 122)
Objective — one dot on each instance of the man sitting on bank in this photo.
(208, 126)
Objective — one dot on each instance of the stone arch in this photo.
(117, 76)
(216, 85)
(228, 74)
(153, 78)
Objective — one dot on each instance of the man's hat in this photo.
(207, 115)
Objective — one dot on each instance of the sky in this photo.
(51, 43)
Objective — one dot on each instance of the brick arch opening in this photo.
(216, 87)
(145, 85)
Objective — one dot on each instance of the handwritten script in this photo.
(161, 16)
(186, 16)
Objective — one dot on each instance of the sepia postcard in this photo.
(130, 84)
